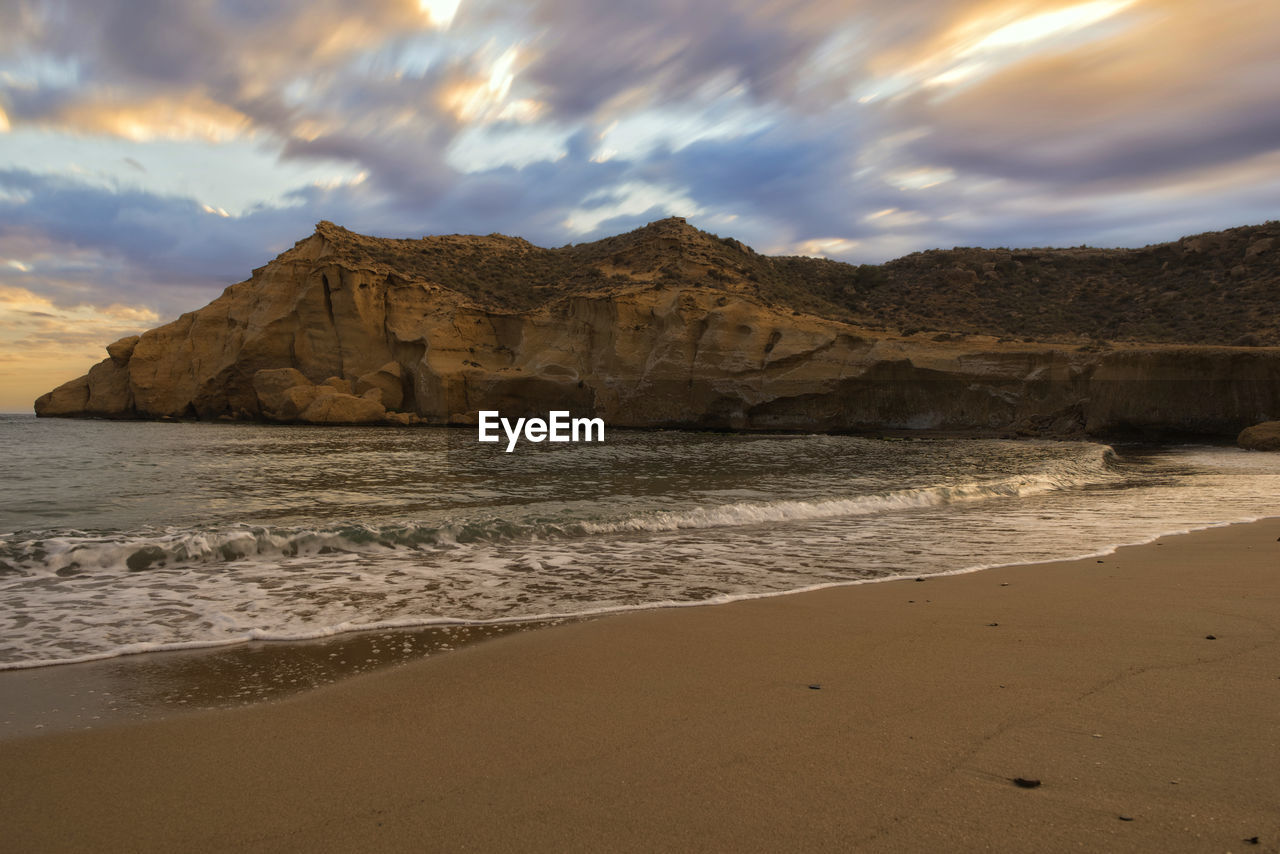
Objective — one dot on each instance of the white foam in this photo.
(747, 513)
(406, 623)
(521, 568)
(70, 553)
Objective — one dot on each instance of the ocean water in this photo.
(119, 538)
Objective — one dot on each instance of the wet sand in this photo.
(160, 685)
(882, 717)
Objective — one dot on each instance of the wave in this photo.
(73, 553)
(551, 618)
(755, 513)
(584, 558)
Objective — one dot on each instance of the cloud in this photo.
(152, 240)
(861, 131)
(1182, 88)
(43, 344)
(606, 56)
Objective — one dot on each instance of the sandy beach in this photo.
(1140, 689)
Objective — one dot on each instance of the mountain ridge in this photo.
(670, 326)
(1212, 288)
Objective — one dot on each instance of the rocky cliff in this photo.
(666, 326)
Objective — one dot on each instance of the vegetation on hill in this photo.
(1216, 288)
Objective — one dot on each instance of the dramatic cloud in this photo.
(151, 152)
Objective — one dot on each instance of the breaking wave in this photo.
(84, 552)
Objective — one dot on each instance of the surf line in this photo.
(559, 426)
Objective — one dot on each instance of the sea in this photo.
(126, 538)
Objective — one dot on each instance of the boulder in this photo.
(389, 380)
(69, 400)
(275, 380)
(283, 393)
(121, 350)
(1261, 437)
(403, 419)
(340, 408)
(338, 384)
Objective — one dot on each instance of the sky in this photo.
(154, 151)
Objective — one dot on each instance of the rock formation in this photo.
(1261, 437)
(666, 326)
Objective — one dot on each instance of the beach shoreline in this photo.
(1138, 688)
(158, 684)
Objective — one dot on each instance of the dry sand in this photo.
(883, 717)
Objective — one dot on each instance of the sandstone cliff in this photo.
(666, 326)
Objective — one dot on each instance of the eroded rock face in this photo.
(1261, 437)
(314, 337)
(1193, 390)
(103, 393)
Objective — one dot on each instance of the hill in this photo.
(669, 326)
(1215, 288)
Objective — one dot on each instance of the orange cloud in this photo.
(1170, 65)
(986, 39)
(191, 117)
(42, 345)
(487, 97)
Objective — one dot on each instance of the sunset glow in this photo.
(1037, 27)
(439, 13)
